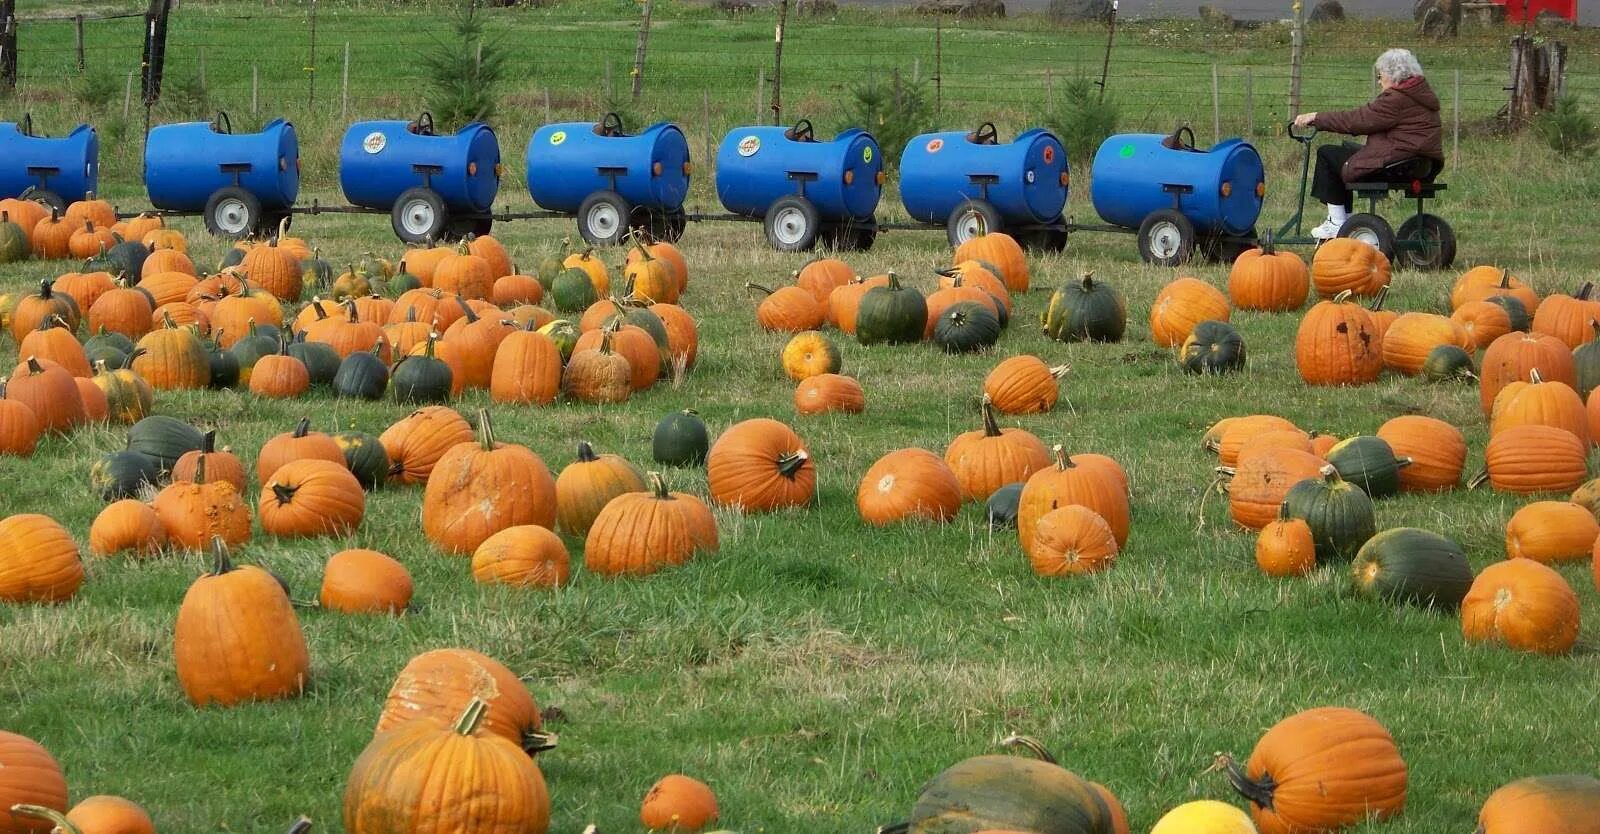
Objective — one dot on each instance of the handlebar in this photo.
(1311, 133)
(611, 125)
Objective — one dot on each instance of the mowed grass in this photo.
(815, 671)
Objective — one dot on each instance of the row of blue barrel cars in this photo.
(806, 190)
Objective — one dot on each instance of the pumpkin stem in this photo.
(283, 492)
(50, 815)
(1060, 371)
(471, 717)
(34, 367)
(301, 826)
(658, 485)
(1088, 280)
(200, 472)
(485, 430)
(990, 427)
(586, 452)
(1478, 480)
(534, 742)
(1533, 376)
(220, 563)
(1377, 300)
(208, 443)
(44, 288)
(1032, 745)
(1063, 460)
(1259, 793)
(759, 288)
(1265, 243)
(789, 464)
(1331, 474)
(1584, 291)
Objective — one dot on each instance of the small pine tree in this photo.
(892, 110)
(463, 72)
(1082, 119)
(1567, 128)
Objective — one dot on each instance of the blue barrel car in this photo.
(970, 183)
(1178, 196)
(432, 185)
(52, 170)
(801, 188)
(611, 180)
(238, 182)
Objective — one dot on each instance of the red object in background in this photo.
(1566, 8)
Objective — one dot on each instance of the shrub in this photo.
(183, 96)
(96, 89)
(1082, 119)
(463, 71)
(1567, 128)
(893, 110)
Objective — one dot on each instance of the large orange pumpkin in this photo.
(829, 392)
(29, 775)
(1562, 804)
(237, 637)
(1261, 480)
(417, 441)
(640, 533)
(1538, 403)
(760, 465)
(1023, 385)
(908, 483)
(1523, 604)
(38, 561)
(1269, 280)
(1568, 317)
(1408, 341)
(1531, 459)
(1182, 304)
(1483, 282)
(1094, 481)
(1336, 343)
(1071, 540)
(1002, 252)
(1345, 264)
(441, 683)
(478, 489)
(1551, 531)
(1515, 356)
(990, 457)
(1437, 450)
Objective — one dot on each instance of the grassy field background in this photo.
(816, 671)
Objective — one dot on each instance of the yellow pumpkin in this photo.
(1206, 816)
(810, 354)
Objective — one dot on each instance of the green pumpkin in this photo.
(1338, 512)
(1370, 463)
(1414, 566)
(225, 370)
(111, 348)
(262, 341)
(402, 283)
(564, 333)
(892, 314)
(129, 257)
(549, 267)
(649, 322)
(1086, 310)
(1586, 361)
(362, 375)
(1448, 363)
(1001, 508)
(365, 457)
(1213, 347)
(315, 273)
(321, 360)
(986, 793)
(123, 474)
(965, 327)
(13, 240)
(1521, 319)
(680, 439)
(233, 257)
(573, 291)
(164, 438)
(422, 379)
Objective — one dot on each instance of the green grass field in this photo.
(816, 671)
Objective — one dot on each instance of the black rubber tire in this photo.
(49, 199)
(665, 225)
(677, 223)
(1439, 250)
(792, 224)
(1166, 238)
(1372, 229)
(851, 235)
(233, 213)
(419, 216)
(1045, 241)
(271, 220)
(604, 218)
(963, 222)
(1225, 249)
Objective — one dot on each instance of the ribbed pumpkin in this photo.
(1437, 450)
(417, 441)
(1413, 566)
(1182, 304)
(51, 237)
(1010, 793)
(891, 314)
(683, 335)
(219, 466)
(1085, 310)
(1260, 481)
(480, 488)
(1071, 540)
(195, 512)
(788, 309)
(1568, 317)
(844, 303)
(1551, 532)
(648, 277)
(1320, 770)
(1538, 403)
(1231, 437)
(1370, 463)
(1484, 282)
(429, 776)
(1533, 459)
(821, 276)
(35, 309)
(1285, 547)
(1003, 252)
(53, 342)
(1515, 356)
(50, 392)
(1522, 604)
(1412, 336)
(586, 485)
(522, 556)
(310, 497)
(1338, 512)
(127, 526)
(906, 484)
(829, 392)
(29, 775)
(300, 443)
(526, 369)
(1483, 321)
(1345, 264)
(808, 354)
(38, 561)
(237, 637)
(19, 427)
(172, 358)
(104, 815)
(364, 582)
(1268, 280)
(760, 465)
(275, 269)
(1563, 804)
(640, 533)
(974, 275)
(1336, 343)
(440, 683)
(1023, 385)
(1093, 481)
(987, 458)
(678, 803)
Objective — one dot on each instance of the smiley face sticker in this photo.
(558, 137)
(866, 154)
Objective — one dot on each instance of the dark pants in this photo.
(1327, 182)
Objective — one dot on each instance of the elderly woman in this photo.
(1401, 123)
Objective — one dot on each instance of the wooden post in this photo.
(154, 58)
(127, 95)
(639, 49)
(1111, 36)
(1297, 49)
(344, 84)
(1455, 132)
(761, 86)
(311, 57)
(8, 45)
(1216, 106)
(938, 65)
(547, 105)
(1249, 102)
(705, 114)
(777, 62)
(77, 40)
(255, 89)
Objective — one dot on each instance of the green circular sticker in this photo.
(1126, 151)
(866, 154)
(558, 137)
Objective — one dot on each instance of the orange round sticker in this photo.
(935, 145)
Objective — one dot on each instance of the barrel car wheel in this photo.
(792, 224)
(1370, 228)
(232, 212)
(603, 218)
(851, 235)
(1431, 243)
(1166, 238)
(973, 218)
(272, 221)
(419, 216)
(47, 198)
(665, 225)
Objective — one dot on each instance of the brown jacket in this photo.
(1402, 122)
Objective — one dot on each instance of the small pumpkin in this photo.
(1448, 363)
(1000, 511)
(195, 512)
(907, 484)
(1093, 481)
(50, 391)
(1515, 356)
(365, 582)
(1522, 604)
(124, 474)
(127, 526)
(365, 457)
(1567, 317)
(299, 443)
(1024, 385)
(826, 393)
(1260, 481)
(165, 438)
(680, 439)
(1212, 347)
(1071, 540)
(1181, 305)
(237, 637)
(525, 555)
(678, 803)
(987, 458)
(586, 485)
(1286, 547)
(362, 375)
(1010, 793)
(1489, 282)
(808, 354)
(423, 377)
(821, 276)
(1002, 252)
(220, 466)
(1408, 342)
(965, 327)
(1206, 816)
(1415, 566)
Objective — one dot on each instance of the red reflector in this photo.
(687, 168)
(881, 178)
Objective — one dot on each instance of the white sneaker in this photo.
(1327, 231)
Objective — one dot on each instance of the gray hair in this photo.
(1398, 64)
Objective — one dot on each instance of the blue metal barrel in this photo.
(569, 161)
(1024, 179)
(1136, 174)
(185, 163)
(67, 165)
(380, 160)
(841, 177)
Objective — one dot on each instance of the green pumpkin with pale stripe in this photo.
(13, 240)
(987, 793)
(1370, 463)
(1338, 512)
(1413, 566)
(1448, 363)
(893, 314)
(1085, 310)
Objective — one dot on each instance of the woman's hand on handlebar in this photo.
(1305, 119)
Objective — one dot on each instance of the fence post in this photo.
(1216, 106)
(1455, 133)
(344, 84)
(255, 89)
(777, 63)
(77, 40)
(639, 49)
(311, 57)
(1297, 48)
(761, 86)
(1111, 37)
(155, 50)
(8, 45)
(938, 65)
(1249, 102)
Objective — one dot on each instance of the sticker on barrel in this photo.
(1049, 154)
(558, 137)
(866, 154)
(375, 142)
(935, 145)
(749, 145)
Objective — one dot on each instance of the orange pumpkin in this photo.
(38, 561)
(1483, 321)
(670, 254)
(1532, 459)
(1003, 252)
(365, 582)
(760, 465)
(808, 354)
(829, 392)
(1336, 343)
(300, 443)
(525, 555)
(1286, 547)
(195, 512)
(237, 637)
(29, 775)
(788, 309)
(845, 301)
(49, 391)
(586, 485)
(1523, 604)
(274, 268)
(442, 682)
(1262, 479)
(678, 804)
(1023, 385)
(1268, 280)
(465, 274)
(1182, 304)
(219, 466)
(1483, 282)
(821, 276)
(976, 275)
(1092, 481)
(311, 498)
(1070, 540)
(988, 458)
(109, 815)
(905, 484)
(127, 526)
(1515, 356)
(92, 209)
(683, 335)
(1551, 531)
(1345, 264)
(1562, 804)
(1230, 440)
(19, 427)
(526, 369)
(1568, 317)
(478, 489)
(1437, 450)
(1539, 403)
(1408, 341)
(640, 533)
